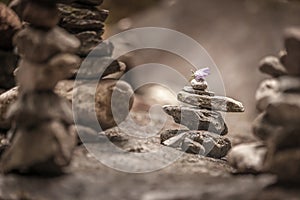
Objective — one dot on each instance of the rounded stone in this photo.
(111, 97)
(199, 85)
(41, 16)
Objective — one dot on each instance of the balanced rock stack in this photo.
(203, 119)
(85, 21)
(277, 127)
(43, 137)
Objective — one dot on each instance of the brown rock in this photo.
(272, 66)
(9, 25)
(89, 40)
(108, 112)
(41, 16)
(40, 45)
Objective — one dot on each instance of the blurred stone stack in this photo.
(43, 137)
(202, 117)
(277, 127)
(9, 25)
(85, 20)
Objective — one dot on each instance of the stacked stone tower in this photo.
(278, 100)
(43, 137)
(201, 116)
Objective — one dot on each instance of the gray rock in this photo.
(89, 40)
(197, 119)
(94, 68)
(285, 164)
(292, 45)
(272, 66)
(77, 19)
(167, 134)
(39, 15)
(58, 139)
(267, 90)
(190, 146)
(285, 110)
(199, 85)
(189, 89)
(220, 103)
(39, 45)
(85, 97)
(34, 76)
(264, 129)
(248, 158)
(195, 142)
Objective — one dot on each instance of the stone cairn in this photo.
(202, 117)
(277, 126)
(43, 136)
(85, 21)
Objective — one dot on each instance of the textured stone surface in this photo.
(85, 98)
(272, 66)
(292, 45)
(197, 142)
(215, 103)
(199, 85)
(267, 90)
(9, 25)
(89, 40)
(248, 158)
(94, 68)
(197, 119)
(46, 43)
(189, 89)
(39, 15)
(77, 19)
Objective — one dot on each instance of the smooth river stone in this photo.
(39, 45)
(219, 103)
(266, 91)
(199, 85)
(248, 158)
(272, 66)
(198, 119)
(189, 89)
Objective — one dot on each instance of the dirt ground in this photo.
(237, 34)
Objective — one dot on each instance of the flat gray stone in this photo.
(272, 66)
(248, 158)
(39, 45)
(220, 103)
(189, 89)
(198, 119)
